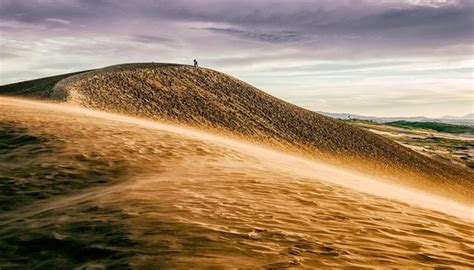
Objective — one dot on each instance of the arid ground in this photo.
(445, 147)
(167, 166)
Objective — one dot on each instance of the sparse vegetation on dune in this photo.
(214, 101)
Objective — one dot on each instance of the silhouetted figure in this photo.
(195, 63)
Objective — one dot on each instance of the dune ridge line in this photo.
(220, 103)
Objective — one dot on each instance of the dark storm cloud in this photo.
(35, 11)
(273, 37)
(149, 39)
(449, 24)
(372, 22)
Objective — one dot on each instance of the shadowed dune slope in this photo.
(40, 88)
(211, 100)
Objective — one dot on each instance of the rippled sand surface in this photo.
(220, 103)
(88, 191)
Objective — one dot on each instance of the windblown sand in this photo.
(89, 189)
(212, 173)
(219, 103)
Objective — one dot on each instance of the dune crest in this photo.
(220, 103)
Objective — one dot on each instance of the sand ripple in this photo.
(87, 192)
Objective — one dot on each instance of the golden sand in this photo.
(213, 101)
(156, 195)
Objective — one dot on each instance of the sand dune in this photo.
(83, 188)
(213, 101)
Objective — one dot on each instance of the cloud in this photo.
(384, 27)
(7, 55)
(272, 37)
(276, 44)
(58, 21)
(149, 39)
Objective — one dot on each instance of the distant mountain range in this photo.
(465, 117)
(447, 119)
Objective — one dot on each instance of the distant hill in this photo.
(465, 117)
(465, 120)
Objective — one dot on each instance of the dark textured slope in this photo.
(212, 100)
(39, 88)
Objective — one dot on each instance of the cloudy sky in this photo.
(371, 57)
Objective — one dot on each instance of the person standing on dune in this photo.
(195, 63)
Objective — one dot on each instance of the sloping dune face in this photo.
(211, 100)
(87, 190)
